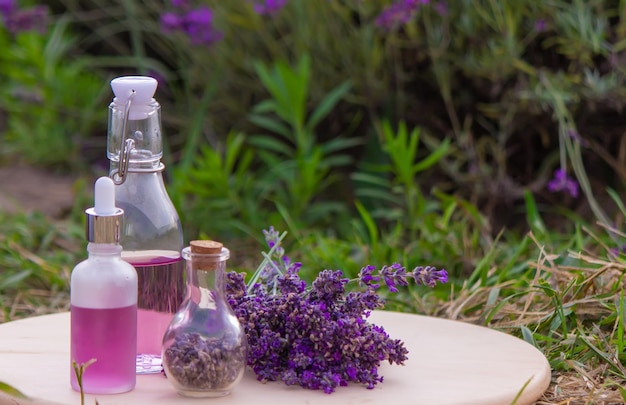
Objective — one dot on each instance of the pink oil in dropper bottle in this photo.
(103, 295)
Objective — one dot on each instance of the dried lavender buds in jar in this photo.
(205, 363)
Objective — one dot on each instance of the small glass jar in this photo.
(204, 347)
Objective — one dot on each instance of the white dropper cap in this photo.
(144, 88)
(104, 220)
(104, 197)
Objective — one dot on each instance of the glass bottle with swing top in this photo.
(152, 230)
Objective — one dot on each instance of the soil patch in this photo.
(26, 189)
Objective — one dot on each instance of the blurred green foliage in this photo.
(52, 103)
(412, 139)
(507, 82)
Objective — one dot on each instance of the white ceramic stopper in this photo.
(144, 88)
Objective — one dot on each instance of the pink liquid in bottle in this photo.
(161, 291)
(107, 335)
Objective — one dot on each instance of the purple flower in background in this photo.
(441, 8)
(268, 7)
(171, 22)
(562, 181)
(399, 13)
(618, 250)
(541, 25)
(197, 19)
(196, 23)
(395, 15)
(25, 19)
(7, 7)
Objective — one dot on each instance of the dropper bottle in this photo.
(152, 231)
(103, 297)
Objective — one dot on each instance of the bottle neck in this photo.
(139, 166)
(205, 287)
(143, 128)
(104, 249)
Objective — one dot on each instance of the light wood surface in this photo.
(450, 363)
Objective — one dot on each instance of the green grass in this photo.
(36, 258)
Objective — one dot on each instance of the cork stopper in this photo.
(205, 247)
(210, 248)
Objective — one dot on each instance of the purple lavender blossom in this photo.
(319, 345)
(541, 25)
(399, 13)
(429, 276)
(196, 23)
(318, 337)
(268, 7)
(290, 281)
(284, 265)
(367, 279)
(562, 181)
(441, 7)
(357, 303)
(171, 22)
(270, 272)
(24, 19)
(394, 275)
(272, 237)
(198, 19)
(235, 286)
(618, 250)
(7, 7)
(329, 285)
(199, 26)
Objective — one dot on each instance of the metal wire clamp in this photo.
(127, 145)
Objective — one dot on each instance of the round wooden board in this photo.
(450, 363)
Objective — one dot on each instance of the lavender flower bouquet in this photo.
(317, 336)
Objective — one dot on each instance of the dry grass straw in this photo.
(40, 298)
(590, 289)
(34, 302)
